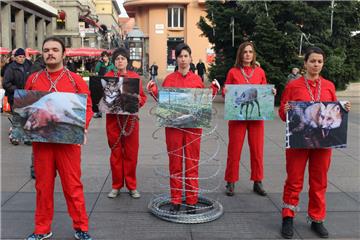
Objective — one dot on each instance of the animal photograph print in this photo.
(54, 117)
(184, 107)
(249, 102)
(316, 125)
(119, 95)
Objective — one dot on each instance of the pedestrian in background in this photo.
(123, 133)
(65, 159)
(245, 71)
(15, 78)
(201, 69)
(312, 87)
(294, 74)
(153, 71)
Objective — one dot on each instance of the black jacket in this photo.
(15, 77)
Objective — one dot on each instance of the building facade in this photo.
(166, 23)
(25, 24)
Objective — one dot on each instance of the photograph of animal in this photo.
(316, 125)
(184, 107)
(49, 116)
(119, 95)
(249, 102)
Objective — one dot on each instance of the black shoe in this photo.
(32, 172)
(319, 229)
(191, 209)
(230, 189)
(287, 229)
(28, 143)
(14, 142)
(259, 189)
(175, 208)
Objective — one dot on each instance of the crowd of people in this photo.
(182, 144)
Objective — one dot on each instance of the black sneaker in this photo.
(81, 235)
(98, 115)
(191, 209)
(287, 229)
(259, 189)
(175, 208)
(39, 236)
(319, 229)
(32, 172)
(230, 189)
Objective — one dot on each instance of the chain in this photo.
(53, 83)
(123, 131)
(310, 92)
(247, 77)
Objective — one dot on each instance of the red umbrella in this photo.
(84, 52)
(4, 51)
(30, 51)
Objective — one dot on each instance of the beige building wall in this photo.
(151, 15)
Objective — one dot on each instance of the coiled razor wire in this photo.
(206, 209)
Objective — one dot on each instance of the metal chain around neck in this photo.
(247, 77)
(310, 92)
(53, 83)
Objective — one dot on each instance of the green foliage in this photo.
(276, 27)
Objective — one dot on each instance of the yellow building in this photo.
(166, 23)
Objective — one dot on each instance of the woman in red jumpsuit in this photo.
(52, 157)
(310, 87)
(245, 71)
(123, 134)
(176, 138)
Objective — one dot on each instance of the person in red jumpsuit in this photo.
(310, 87)
(52, 157)
(177, 138)
(245, 71)
(123, 134)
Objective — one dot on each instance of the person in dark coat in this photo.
(15, 74)
(201, 69)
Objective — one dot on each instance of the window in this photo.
(171, 45)
(175, 17)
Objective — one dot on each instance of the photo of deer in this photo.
(55, 117)
(249, 102)
(115, 95)
(316, 125)
(184, 107)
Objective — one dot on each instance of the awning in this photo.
(83, 52)
(4, 51)
(30, 51)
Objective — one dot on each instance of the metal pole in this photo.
(332, 16)
(301, 40)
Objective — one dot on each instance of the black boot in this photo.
(191, 209)
(230, 189)
(287, 229)
(259, 189)
(175, 208)
(319, 229)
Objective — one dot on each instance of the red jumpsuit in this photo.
(237, 130)
(176, 139)
(124, 147)
(296, 159)
(65, 158)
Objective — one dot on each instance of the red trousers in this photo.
(237, 130)
(124, 150)
(65, 158)
(176, 139)
(319, 163)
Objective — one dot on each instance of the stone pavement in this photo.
(246, 215)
